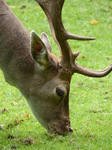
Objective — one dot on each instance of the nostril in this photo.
(70, 129)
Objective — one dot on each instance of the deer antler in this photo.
(53, 11)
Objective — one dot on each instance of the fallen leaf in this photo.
(17, 121)
(27, 116)
(83, 56)
(28, 141)
(4, 110)
(94, 22)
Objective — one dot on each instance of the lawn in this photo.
(90, 98)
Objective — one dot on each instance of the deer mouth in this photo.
(61, 129)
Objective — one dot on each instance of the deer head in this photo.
(28, 64)
(49, 97)
(59, 72)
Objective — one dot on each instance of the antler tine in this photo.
(91, 73)
(75, 37)
(87, 72)
(53, 11)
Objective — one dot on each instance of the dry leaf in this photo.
(17, 121)
(27, 116)
(83, 56)
(94, 22)
(4, 110)
(28, 141)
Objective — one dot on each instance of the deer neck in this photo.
(15, 59)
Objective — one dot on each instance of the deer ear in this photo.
(38, 49)
(46, 41)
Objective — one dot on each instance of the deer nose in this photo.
(70, 130)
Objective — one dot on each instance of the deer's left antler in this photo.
(53, 11)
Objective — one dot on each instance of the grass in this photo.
(90, 99)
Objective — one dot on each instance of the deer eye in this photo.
(60, 92)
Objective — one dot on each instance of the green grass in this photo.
(90, 99)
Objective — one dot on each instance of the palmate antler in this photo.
(53, 11)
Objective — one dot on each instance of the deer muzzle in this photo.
(59, 128)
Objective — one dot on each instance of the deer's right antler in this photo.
(53, 11)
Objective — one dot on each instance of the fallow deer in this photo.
(42, 78)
